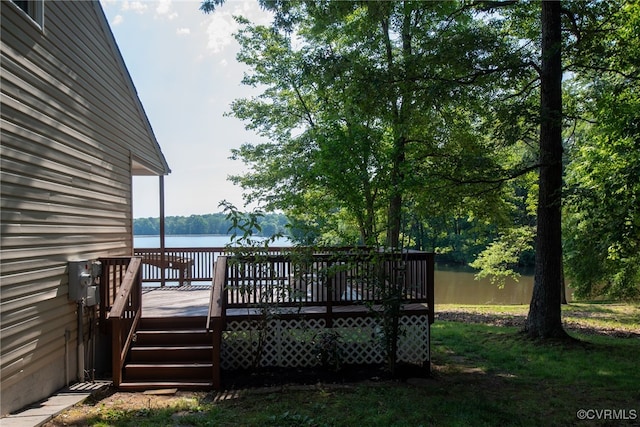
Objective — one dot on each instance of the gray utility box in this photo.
(82, 282)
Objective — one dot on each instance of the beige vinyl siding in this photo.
(61, 89)
(71, 125)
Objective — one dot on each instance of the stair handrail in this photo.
(216, 302)
(216, 318)
(124, 315)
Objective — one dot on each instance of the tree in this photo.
(363, 116)
(598, 47)
(145, 226)
(500, 259)
(379, 107)
(603, 176)
(196, 224)
(318, 155)
(544, 319)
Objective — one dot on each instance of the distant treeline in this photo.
(215, 223)
(455, 240)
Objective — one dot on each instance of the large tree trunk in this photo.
(563, 290)
(394, 215)
(544, 320)
(400, 105)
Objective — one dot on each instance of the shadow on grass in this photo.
(481, 375)
(581, 319)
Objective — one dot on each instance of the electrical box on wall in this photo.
(82, 282)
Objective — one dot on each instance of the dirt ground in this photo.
(243, 383)
(236, 383)
(111, 399)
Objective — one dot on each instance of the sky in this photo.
(182, 63)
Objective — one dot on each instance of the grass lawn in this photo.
(482, 374)
(616, 319)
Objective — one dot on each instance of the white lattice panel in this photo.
(289, 342)
(361, 339)
(413, 345)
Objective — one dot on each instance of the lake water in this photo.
(453, 285)
(457, 285)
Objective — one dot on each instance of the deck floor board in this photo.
(186, 301)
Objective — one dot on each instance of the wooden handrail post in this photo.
(125, 311)
(162, 233)
(217, 300)
(430, 286)
(116, 345)
(139, 289)
(216, 319)
(217, 351)
(331, 278)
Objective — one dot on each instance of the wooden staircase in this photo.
(170, 353)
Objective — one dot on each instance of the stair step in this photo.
(173, 337)
(169, 354)
(160, 323)
(163, 372)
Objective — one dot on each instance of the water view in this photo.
(453, 284)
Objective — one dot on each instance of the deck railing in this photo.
(339, 279)
(342, 288)
(272, 306)
(325, 280)
(121, 305)
(182, 266)
(297, 277)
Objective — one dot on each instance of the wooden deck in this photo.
(322, 292)
(183, 301)
(193, 301)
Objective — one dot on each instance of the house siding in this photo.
(71, 127)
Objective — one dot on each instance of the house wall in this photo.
(71, 127)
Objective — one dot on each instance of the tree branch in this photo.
(632, 76)
(576, 118)
(487, 5)
(528, 87)
(575, 30)
(510, 176)
(307, 112)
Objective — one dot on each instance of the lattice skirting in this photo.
(292, 342)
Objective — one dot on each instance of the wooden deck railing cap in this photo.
(127, 286)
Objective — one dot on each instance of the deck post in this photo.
(217, 329)
(163, 278)
(430, 286)
(116, 345)
(331, 278)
